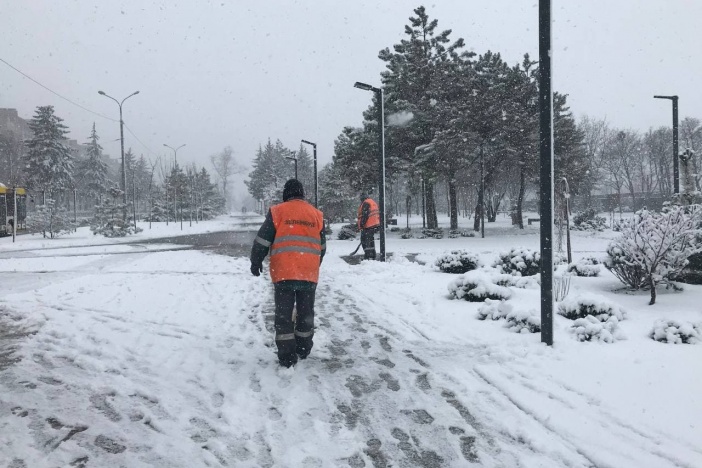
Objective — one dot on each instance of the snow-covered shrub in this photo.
(588, 266)
(49, 220)
(673, 331)
(458, 261)
(521, 282)
(467, 234)
(406, 234)
(523, 321)
(596, 306)
(590, 328)
(477, 288)
(519, 261)
(494, 310)
(394, 229)
(654, 247)
(588, 221)
(433, 233)
(347, 231)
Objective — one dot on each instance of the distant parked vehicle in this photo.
(9, 198)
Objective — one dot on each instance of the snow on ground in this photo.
(124, 356)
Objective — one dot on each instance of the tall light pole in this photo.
(676, 173)
(121, 139)
(175, 153)
(294, 158)
(546, 171)
(316, 190)
(175, 186)
(381, 160)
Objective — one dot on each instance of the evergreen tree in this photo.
(270, 171)
(93, 170)
(337, 200)
(412, 68)
(48, 162)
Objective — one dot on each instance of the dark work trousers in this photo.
(293, 336)
(368, 242)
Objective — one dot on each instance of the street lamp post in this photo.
(121, 139)
(294, 158)
(316, 190)
(676, 173)
(381, 161)
(175, 153)
(546, 171)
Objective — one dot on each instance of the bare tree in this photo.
(225, 166)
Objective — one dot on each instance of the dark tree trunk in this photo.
(478, 210)
(432, 221)
(520, 198)
(453, 203)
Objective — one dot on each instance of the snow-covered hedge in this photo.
(477, 288)
(347, 231)
(494, 310)
(457, 261)
(590, 328)
(406, 234)
(579, 307)
(523, 321)
(455, 233)
(588, 266)
(673, 331)
(519, 261)
(588, 221)
(521, 282)
(433, 233)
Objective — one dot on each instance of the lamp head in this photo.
(101, 92)
(363, 86)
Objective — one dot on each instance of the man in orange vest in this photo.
(293, 232)
(368, 224)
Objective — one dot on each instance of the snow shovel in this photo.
(354, 252)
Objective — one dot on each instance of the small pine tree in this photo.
(109, 221)
(50, 220)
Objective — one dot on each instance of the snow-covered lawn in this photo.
(141, 355)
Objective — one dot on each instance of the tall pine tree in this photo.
(48, 161)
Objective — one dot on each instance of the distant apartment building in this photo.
(11, 124)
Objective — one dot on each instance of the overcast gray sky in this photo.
(217, 73)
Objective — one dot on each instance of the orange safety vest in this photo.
(373, 217)
(297, 247)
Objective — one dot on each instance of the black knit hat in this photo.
(293, 189)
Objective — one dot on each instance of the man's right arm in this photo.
(264, 239)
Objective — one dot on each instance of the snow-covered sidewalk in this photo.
(166, 359)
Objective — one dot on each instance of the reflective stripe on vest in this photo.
(297, 247)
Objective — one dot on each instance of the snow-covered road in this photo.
(166, 359)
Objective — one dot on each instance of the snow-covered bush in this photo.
(590, 328)
(406, 234)
(588, 266)
(347, 231)
(588, 221)
(523, 321)
(458, 261)
(519, 261)
(654, 247)
(673, 331)
(394, 229)
(596, 306)
(477, 288)
(433, 233)
(521, 282)
(494, 310)
(49, 220)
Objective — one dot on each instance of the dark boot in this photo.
(287, 360)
